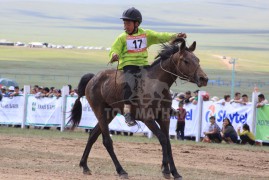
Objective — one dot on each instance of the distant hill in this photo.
(91, 21)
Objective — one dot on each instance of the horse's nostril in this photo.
(203, 79)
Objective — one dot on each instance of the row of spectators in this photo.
(10, 91)
(187, 97)
(38, 91)
(41, 92)
(184, 98)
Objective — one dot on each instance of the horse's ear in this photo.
(193, 46)
(183, 46)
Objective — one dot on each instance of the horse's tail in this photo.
(76, 111)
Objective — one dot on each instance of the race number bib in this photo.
(136, 43)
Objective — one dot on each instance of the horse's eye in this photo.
(186, 61)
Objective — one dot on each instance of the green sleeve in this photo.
(117, 46)
(154, 37)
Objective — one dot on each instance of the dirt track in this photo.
(46, 158)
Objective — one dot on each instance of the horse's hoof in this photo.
(124, 176)
(87, 172)
(178, 178)
(166, 175)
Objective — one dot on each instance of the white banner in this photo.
(191, 120)
(48, 112)
(118, 124)
(43, 111)
(89, 120)
(173, 126)
(238, 114)
(11, 110)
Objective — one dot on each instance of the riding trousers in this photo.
(132, 82)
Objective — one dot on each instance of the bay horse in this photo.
(104, 94)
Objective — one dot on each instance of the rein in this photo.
(182, 76)
(116, 71)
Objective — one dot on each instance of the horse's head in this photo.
(187, 65)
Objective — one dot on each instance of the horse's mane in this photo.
(167, 50)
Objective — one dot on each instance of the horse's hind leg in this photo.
(151, 124)
(92, 138)
(108, 143)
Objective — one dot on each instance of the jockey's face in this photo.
(130, 27)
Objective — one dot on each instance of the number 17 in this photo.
(135, 43)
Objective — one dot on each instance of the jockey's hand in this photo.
(115, 57)
(182, 35)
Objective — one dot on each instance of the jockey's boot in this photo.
(130, 121)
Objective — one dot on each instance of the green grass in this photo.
(49, 67)
(58, 67)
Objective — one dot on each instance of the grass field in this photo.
(58, 67)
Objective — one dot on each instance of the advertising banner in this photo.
(88, 119)
(191, 120)
(44, 111)
(11, 110)
(262, 123)
(238, 114)
(48, 112)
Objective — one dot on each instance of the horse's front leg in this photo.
(151, 124)
(173, 168)
(164, 125)
(92, 138)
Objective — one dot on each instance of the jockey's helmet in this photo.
(132, 14)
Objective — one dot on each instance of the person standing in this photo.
(195, 98)
(226, 99)
(261, 101)
(244, 99)
(181, 121)
(188, 97)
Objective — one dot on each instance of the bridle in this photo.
(182, 75)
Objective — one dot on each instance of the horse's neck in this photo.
(163, 72)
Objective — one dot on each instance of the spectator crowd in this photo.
(36, 90)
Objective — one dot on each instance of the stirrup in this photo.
(129, 120)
